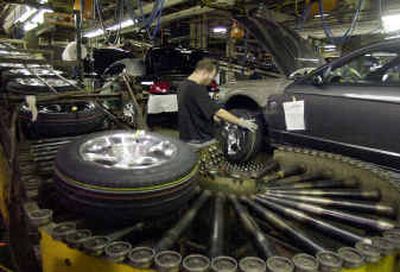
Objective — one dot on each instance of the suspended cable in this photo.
(347, 34)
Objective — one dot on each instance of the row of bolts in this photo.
(144, 257)
(376, 253)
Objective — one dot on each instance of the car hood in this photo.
(290, 51)
(257, 90)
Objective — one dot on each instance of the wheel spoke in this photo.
(128, 150)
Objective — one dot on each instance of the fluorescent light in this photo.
(124, 24)
(308, 60)
(330, 46)
(36, 20)
(94, 33)
(147, 83)
(324, 15)
(219, 30)
(26, 15)
(391, 22)
(98, 32)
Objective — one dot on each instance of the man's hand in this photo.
(230, 118)
(217, 119)
(248, 124)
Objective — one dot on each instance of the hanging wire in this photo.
(158, 24)
(98, 9)
(155, 16)
(125, 6)
(306, 12)
(119, 18)
(143, 19)
(348, 32)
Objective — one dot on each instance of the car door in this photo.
(356, 110)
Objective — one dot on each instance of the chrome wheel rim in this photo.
(233, 136)
(35, 71)
(62, 108)
(128, 150)
(36, 82)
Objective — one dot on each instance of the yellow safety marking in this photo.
(149, 188)
(386, 264)
(362, 268)
(58, 257)
(5, 177)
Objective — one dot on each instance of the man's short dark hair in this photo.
(208, 65)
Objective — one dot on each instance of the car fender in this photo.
(256, 91)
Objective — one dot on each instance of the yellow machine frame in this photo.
(58, 257)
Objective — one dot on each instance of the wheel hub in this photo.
(128, 151)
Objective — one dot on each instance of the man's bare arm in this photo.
(228, 117)
(231, 118)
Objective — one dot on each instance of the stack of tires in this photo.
(121, 177)
(19, 70)
(34, 86)
(55, 119)
(6, 67)
(43, 72)
(58, 119)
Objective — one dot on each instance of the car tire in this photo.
(89, 118)
(8, 76)
(110, 193)
(239, 144)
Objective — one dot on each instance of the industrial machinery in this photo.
(133, 200)
(302, 208)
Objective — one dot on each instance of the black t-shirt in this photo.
(196, 112)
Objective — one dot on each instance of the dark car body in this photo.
(112, 61)
(356, 115)
(167, 66)
(162, 68)
(351, 106)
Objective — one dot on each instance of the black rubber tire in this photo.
(13, 87)
(4, 71)
(124, 211)
(62, 124)
(93, 189)
(252, 141)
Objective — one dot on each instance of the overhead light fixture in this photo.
(324, 15)
(36, 20)
(123, 24)
(94, 33)
(220, 30)
(391, 22)
(98, 32)
(26, 15)
(330, 46)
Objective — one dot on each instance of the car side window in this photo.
(380, 67)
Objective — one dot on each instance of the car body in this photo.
(159, 73)
(351, 106)
(167, 66)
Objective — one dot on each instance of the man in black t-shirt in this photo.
(197, 111)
